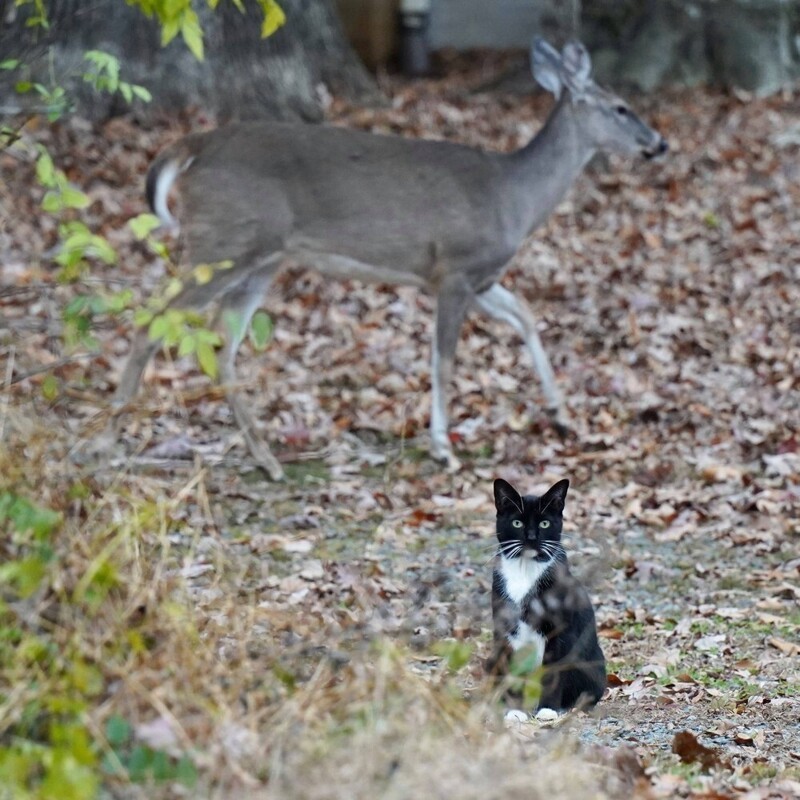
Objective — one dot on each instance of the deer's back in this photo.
(394, 204)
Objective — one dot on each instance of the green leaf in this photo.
(50, 388)
(169, 30)
(143, 225)
(274, 17)
(187, 346)
(74, 198)
(52, 203)
(77, 305)
(119, 301)
(232, 320)
(526, 661)
(161, 766)
(192, 33)
(126, 91)
(45, 171)
(118, 730)
(23, 87)
(261, 329)
(142, 317)
(9, 63)
(532, 691)
(158, 328)
(456, 653)
(139, 763)
(207, 358)
(25, 574)
(186, 772)
(203, 273)
(26, 517)
(142, 93)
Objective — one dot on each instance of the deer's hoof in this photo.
(444, 455)
(263, 457)
(561, 426)
(270, 465)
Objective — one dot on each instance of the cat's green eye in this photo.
(516, 523)
(545, 523)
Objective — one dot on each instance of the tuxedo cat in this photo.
(537, 603)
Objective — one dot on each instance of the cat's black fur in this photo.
(554, 606)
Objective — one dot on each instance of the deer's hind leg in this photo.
(236, 310)
(501, 304)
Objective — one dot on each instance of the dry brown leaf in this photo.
(687, 747)
(789, 648)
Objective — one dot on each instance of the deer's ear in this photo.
(546, 66)
(576, 67)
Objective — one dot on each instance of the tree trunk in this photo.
(242, 76)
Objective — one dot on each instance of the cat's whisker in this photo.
(510, 551)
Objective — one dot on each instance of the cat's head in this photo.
(530, 527)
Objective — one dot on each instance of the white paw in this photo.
(515, 716)
(546, 715)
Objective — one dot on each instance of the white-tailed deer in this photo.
(437, 215)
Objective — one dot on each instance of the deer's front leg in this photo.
(452, 302)
(501, 304)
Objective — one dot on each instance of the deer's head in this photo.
(605, 118)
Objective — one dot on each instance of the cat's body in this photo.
(537, 602)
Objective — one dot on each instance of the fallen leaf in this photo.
(790, 648)
(690, 751)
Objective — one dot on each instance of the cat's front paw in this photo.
(546, 715)
(516, 716)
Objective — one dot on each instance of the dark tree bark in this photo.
(242, 76)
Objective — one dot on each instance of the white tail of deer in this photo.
(437, 215)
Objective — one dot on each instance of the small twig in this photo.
(9, 373)
(55, 365)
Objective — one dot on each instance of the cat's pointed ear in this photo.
(555, 497)
(506, 497)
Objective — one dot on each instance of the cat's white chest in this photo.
(520, 576)
(525, 636)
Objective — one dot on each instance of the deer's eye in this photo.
(545, 523)
(621, 110)
(516, 523)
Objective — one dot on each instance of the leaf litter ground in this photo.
(340, 618)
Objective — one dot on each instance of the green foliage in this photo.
(261, 330)
(178, 17)
(77, 244)
(49, 753)
(140, 763)
(60, 195)
(26, 517)
(104, 77)
(37, 14)
(54, 98)
(81, 311)
(53, 666)
(455, 652)
(31, 528)
(274, 17)
(526, 675)
(187, 330)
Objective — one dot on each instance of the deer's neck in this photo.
(543, 171)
